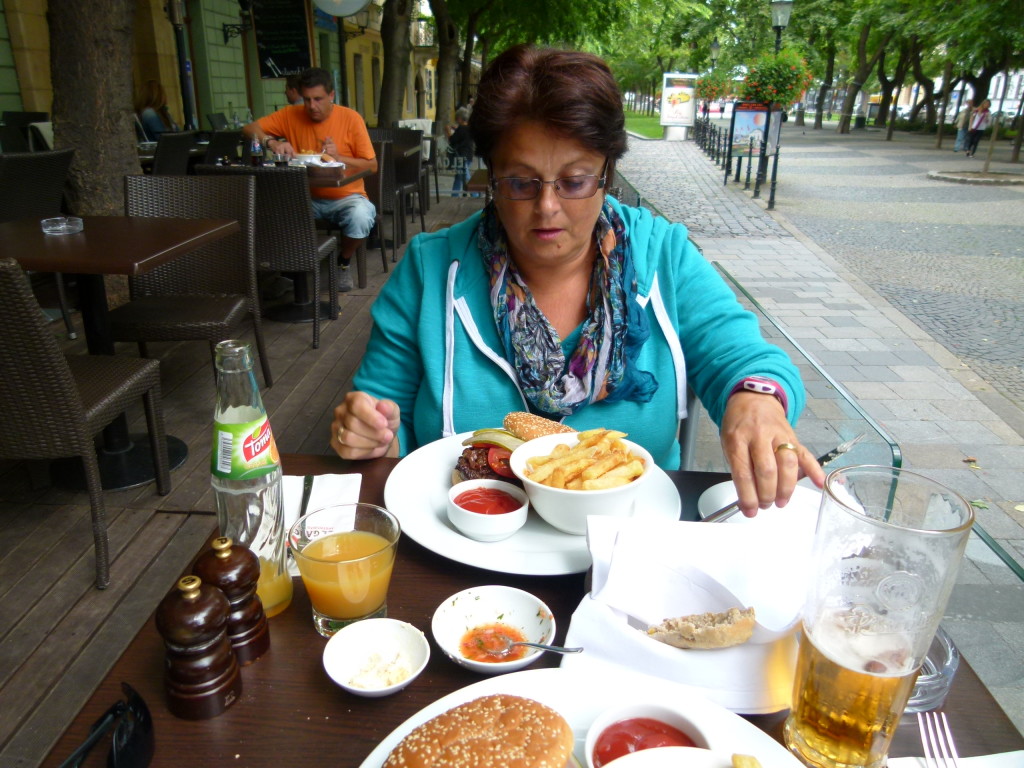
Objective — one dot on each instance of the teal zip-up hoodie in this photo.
(435, 351)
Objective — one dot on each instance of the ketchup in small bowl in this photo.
(487, 501)
(637, 726)
(635, 734)
(487, 510)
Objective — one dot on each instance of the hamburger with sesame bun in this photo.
(498, 731)
(487, 452)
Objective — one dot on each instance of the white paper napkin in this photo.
(646, 571)
(1002, 760)
(327, 489)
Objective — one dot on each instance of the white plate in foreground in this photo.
(417, 493)
(579, 699)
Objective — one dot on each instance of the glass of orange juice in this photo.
(345, 555)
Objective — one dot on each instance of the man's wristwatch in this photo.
(762, 386)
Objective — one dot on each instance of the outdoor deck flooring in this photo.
(58, 634)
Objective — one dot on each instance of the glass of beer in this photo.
(345, 554)
(886, 552)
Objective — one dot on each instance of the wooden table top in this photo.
(319, 176)
(288, 700)
(109, 245)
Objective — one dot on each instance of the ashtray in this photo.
(62, 225)
(936, 675)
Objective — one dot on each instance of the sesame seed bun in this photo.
(527, 426)
(499, 731)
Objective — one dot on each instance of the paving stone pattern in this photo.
(904, 328)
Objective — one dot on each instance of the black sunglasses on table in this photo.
(132, 744)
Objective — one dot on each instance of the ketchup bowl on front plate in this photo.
(635, 726)
(487, 510)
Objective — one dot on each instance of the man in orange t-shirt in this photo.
(320, 126)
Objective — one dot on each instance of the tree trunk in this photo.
(887, 87)
(865, 64)
(826, 85)
(947, 89)
(467, 54)
(447, 61)
(91, 71)
(927, 87)
(394, 34)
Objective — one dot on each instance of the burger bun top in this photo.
(498, 731)
(528, 426)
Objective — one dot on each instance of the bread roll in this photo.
(527, 426)
(706, 630)
(499, 731)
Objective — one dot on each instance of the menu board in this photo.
(282, 36)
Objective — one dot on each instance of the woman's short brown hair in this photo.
(572, 93)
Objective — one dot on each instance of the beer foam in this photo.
(884, 655)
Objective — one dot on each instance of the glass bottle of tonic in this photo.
(245, 471)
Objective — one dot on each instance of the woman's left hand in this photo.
(763, 452)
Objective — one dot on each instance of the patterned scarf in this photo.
(603, 365)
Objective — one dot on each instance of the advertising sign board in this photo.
(678, 105)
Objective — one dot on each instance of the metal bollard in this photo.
(714, 146)
(775, 172)
(759, 173)
(750, 161)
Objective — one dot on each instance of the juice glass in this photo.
(345, 554)
(886, 553)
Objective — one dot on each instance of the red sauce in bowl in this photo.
(487, 501)
(632, 735)
(478, 640)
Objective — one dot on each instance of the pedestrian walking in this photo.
(963, 120)
(979, 122)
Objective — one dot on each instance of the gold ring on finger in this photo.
(341, 436)
(785, 446)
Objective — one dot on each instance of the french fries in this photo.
(599, 460)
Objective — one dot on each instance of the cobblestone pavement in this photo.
(949, 256)
(883, 321)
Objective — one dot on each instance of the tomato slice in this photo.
(497, 459)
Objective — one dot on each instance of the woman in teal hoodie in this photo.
(559, 300)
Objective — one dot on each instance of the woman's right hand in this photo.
(365, 427)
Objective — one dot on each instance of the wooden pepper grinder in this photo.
(235, 571)
(201, 673)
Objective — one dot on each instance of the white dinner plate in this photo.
(580, 698)
(417, 493)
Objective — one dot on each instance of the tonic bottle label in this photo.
(243, 451)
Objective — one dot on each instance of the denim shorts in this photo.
(354, 215)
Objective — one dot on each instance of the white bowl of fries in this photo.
(569, 476)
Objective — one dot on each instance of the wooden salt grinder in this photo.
(201, 673)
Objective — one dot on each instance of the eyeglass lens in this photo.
(132, 745)
(568, 187)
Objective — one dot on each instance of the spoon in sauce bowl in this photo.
(505, 645)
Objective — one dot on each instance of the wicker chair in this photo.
(223, 144)
(53, 406)
(32, 187)
(410, 176)
(172, 152)
(375, 194)
(203, 296)
(286, 236)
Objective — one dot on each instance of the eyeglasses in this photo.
(132, 744)
(568, 187)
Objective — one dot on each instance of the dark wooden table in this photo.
(290, 710)
(111, 245)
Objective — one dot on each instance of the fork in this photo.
(937, 740)
(729, 510)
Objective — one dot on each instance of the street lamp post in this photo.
(781, 9)
(715, 48)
